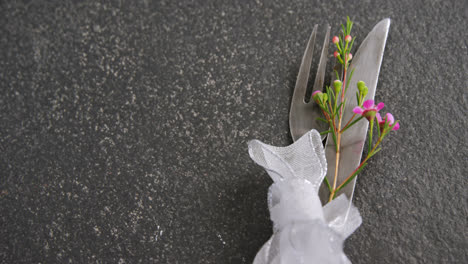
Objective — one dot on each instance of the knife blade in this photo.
(366, 64)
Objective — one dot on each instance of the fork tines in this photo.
(302, 116)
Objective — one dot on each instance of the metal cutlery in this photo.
(366, 64)
(303, 116)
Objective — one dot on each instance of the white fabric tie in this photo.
(303, 230)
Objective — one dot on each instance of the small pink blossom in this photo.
(316, 92)
(335, 40)
(388, 118)
(369, 109)
(336, 54)
(347, 38)
(350, 56)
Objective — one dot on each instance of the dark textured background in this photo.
(124, 128)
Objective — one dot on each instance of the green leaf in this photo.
(370, 135)
(351, 178)
(351, 44)
(351, 124)
(341, 105)
(333, 103)
(323, 108)
(334, 109)
(338, 108)
(334, 140)
(349, 79)
(384, 134)
(328, 92)
(339, 49)
(375, 152)
(325, 132)
(378, 128)
(328, 184)
(342, 27)
(357, 98)
(331, 96)
(322, 119)
(340, 60)
(333, 135)
(337, 74)
(348, 24)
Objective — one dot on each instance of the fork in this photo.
(303, 115)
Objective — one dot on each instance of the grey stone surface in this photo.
(124, 128)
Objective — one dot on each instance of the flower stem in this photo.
(360, 165)
(370, 134)
(338, 141)
(337, 162)
(354, 115)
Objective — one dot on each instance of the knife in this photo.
(366, 64)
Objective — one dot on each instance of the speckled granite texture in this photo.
(124, 128)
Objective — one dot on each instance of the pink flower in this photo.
(350, 56)
(316, 92)
(347, 38)
(336, 54)
(388, 118)
(335, 40)
(368, 110)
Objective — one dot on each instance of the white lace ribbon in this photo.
(303, 230)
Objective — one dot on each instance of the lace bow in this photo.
(303, 230)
